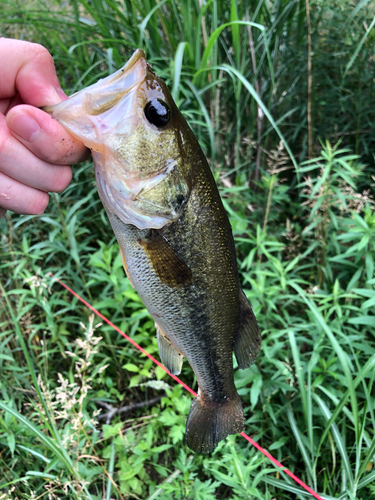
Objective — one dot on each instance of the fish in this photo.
(174, 236)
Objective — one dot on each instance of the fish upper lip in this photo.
(138, 54)
(98, 88)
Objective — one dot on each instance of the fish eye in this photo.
(157, 112)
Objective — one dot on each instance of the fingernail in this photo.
(61, 94)
(55, 96)
(25, 126)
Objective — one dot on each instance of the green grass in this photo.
(305, 237)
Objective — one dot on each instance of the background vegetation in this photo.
(281, 96)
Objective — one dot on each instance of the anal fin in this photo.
(248, 341)
(170, 357)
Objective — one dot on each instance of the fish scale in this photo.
(174, 236)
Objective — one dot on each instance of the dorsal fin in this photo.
(247, 342)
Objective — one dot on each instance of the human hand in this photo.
(35, 150)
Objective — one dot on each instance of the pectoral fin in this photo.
(169, 266)
(248, 340)
(169, 356)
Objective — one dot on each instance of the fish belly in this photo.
(199, 317)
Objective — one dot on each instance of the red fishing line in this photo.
(257, 446)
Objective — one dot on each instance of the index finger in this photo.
(30, 71)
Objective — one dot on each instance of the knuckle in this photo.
(38, 50)
(40, 56)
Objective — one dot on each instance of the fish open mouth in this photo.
(108, 117)
(97, 98)
(107, 105)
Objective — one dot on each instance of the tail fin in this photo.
(210, 422)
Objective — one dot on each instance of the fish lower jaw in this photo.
(124, 208)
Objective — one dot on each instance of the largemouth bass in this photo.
(174, 236)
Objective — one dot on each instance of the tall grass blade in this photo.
(358, 7)
(258, 100)
(339, 441)
(145, 21)
(301, 446)
(299, 371)
(177, 69)
(206, 117)
(47, 441)
(359, 47)
(340, 353)
(110, 471)
(283, 485)
(53, 429)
